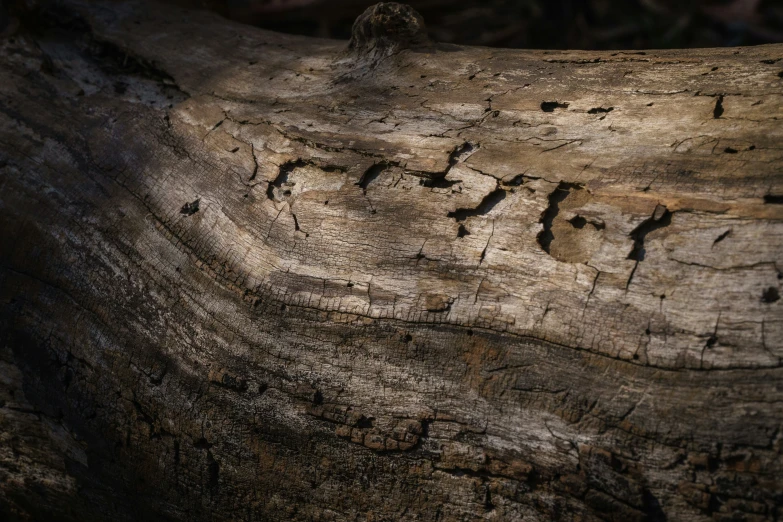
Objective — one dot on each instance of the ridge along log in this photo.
(253, 276)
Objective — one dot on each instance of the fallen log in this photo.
(252, 276)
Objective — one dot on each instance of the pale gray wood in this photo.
(251, 276)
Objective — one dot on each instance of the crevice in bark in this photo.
(661, 218)
(717, 112)
(296, 224)
(458, 155)
(721, 237)
(202, 444)
(439, 182)
(486, 204)
(770, 295)
(213, 470)
(371, 174)
(579, 222)
(484, 251)
(557, 196)
(190, 208)
(552, 105)
(488, 505)
(282, 178)
(519, 180)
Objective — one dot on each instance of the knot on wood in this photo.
(388, 26)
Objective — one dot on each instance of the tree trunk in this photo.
(250, 276)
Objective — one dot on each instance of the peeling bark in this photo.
(251, 276)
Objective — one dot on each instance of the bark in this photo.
(250, 276)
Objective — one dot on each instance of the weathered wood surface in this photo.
(249, 276)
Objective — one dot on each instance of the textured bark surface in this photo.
(248, 276)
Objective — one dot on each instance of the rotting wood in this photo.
(250, 276)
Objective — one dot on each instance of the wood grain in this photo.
(251, 276)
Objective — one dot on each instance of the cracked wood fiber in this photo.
(250, 276)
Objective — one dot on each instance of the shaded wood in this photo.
(249, 276)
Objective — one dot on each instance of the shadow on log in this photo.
(250, 276)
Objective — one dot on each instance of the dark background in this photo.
(539, 24)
